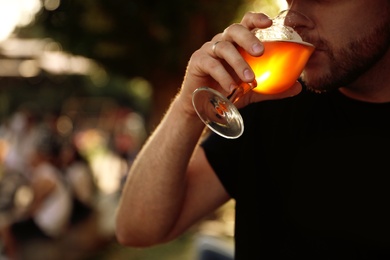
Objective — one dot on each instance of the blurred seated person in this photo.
(78, 174)
(50, 210)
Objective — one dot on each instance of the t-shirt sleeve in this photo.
(220, 155)
(226, 156)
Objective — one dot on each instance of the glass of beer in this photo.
(284, 58)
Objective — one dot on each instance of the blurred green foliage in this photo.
(149, 39)
(135, 37)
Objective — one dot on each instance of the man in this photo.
(310, 173)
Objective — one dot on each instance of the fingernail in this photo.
(233, 87)
(257, 48)
(248, 74)
(267, 18)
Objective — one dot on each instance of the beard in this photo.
(350, 61)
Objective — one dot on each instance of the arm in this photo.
(171, 184)
(160, 200)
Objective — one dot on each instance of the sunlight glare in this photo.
(282, 4)
(271, 8)
(16, 13)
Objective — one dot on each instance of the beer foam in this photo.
(278, 32)
(295, 36)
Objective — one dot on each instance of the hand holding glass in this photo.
(284, 58)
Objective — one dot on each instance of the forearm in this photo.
(156, 186)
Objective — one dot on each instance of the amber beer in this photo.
(280, 65)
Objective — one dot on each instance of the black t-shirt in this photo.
(310, 177)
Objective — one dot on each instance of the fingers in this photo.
(224, 46)
(228, 66)
(214, 48)
(221, 60)
(242, 34)
(253, 20)
(218, 60)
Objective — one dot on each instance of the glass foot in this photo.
(218, 113)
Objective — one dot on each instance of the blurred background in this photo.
(82, 84)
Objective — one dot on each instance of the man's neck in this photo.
(374, 85)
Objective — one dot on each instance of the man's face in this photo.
(351, 37)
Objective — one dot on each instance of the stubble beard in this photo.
(349, 62)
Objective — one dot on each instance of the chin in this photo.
(315, 85)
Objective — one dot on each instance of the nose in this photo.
(295, 19)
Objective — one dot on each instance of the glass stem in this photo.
(241, 90)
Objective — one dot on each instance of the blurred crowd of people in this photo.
(51, 180)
